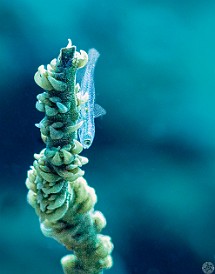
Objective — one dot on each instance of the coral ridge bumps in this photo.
(58, 192)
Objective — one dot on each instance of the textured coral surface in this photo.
(58, 192)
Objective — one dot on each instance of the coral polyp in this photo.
(58, 191)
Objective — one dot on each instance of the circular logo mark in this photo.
(208, 268)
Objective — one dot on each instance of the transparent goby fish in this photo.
(89, 110)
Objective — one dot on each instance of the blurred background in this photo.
(153, 157)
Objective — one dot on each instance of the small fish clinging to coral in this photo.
(89, 110)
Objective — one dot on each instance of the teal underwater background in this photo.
(152, 161)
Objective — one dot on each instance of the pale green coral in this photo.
(58, 192)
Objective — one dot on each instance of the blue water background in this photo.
(153, 158)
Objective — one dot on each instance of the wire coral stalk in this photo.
(58, 192)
